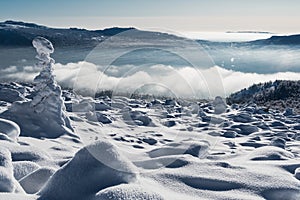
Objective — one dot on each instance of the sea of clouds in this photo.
(159, 79)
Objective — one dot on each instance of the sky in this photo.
(279, 16)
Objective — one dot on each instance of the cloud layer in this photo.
(158, 79)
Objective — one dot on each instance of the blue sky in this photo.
(176, 15)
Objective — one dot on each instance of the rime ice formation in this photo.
(48, 93)
(44, 115)
(48, 96)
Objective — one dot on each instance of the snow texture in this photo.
(140, 148)
(7, 180)
(44, 115)
(93, 168)
(9, 129)
(34, 181)
(22, 168)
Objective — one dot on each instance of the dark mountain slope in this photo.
(21, 34)
(279, 94)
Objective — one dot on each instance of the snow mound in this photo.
(297, 173)
(278, 142)
(102, 106)
(10, 95)
(270, 153)
(169, 123)
(7, 180)
(219, 105)
(22, 168)
(210, 184)
(10, 129)
(137, 118)
(9, 196)
(84, 175)
(85, 104)
(196, 149)
(243, 117)
(127, 192)
(160, 162)
(98, 117)
(288, 112)
(279, 194)
(5, 137)
(34, 181)
(244, 129)
(229, 134)
(28, 153)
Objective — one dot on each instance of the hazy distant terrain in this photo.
(276, 54)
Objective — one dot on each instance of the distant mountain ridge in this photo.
(281, 40)
(71, 44)
(14, 33)
(17, 33)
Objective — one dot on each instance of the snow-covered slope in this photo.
(243, 153)
(280, 94)
(148, 149)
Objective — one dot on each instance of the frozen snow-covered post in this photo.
(44, 115)
(48, 92)
(47, 98)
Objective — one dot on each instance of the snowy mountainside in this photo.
(72, 44)
(15, 33)
(279, 94)
(281, 40)
(20, 34)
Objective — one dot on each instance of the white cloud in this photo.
(10, 69)
(184, 81)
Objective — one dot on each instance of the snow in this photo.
(44, 48)
(10, 95)
(98, 116)
(136, 117)
(270, 153)
(93, 168)
(288, 112)
(10, 129)
(197, 149)
(127, 192)
(44, 115)
(237, 154)
(7, 180)
(219, 105)
(22, 168)
(35, 180)
(125, 148)
(297, 173)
